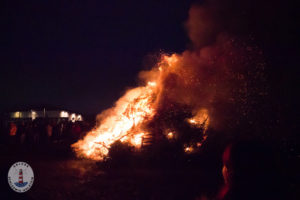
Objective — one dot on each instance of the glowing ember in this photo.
(170, 135)
(153, 84)
(201, 119)
(136, 140)
(199, 144)
(188, 149)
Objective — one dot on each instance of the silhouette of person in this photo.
(250, 172)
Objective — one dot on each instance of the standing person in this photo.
(250, 172)
(12, 132)
(76, 131)
(29, 133)
(35, 133)
(55, 132)
(49, 130)
(42, 131)
(21, 133)
(61, 130)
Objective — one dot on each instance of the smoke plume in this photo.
(216, 84)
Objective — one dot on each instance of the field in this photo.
(59, 175)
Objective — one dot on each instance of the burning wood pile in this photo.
(134, 114)
(183, 95)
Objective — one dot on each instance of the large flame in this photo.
(217, 83)
(211, 86)
(126, 121)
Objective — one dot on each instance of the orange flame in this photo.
(125, 121)
(201, 119)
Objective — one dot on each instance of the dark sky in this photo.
(81, 55)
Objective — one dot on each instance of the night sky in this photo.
(82, 55)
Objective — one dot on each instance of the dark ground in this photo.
(59, 175)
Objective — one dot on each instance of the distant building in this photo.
(44, 113)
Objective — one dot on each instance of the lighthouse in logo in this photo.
(20, 183)
(20, 177)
